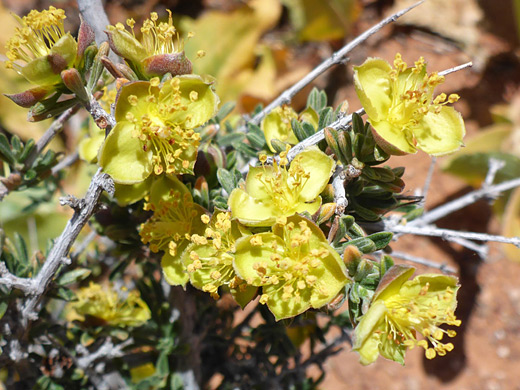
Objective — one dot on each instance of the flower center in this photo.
(157, 38)
(423, 313)
(412, 94)
(295, 268)
(171, 223)
(171, 143)
(217, 269)
(39, 31)
(284, 185)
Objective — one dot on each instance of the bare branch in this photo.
(421, 260)
(463, 201)
(456, 68)
(100, 182)
(448, 234)
(54, 129)
(427, 182)
(94, 14)
(338, 57)
(9, 280)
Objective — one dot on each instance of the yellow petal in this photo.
(123, 157)
(392, 139)
(442, 133)
(250, 211)
(372, 83)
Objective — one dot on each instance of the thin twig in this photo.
(54, 129)
(9, 280)
(427, 182)
(65, 163)
(456, 68)
(337, 58)
(448, 234)
(338, 183)
(495, 165)
(421, 260)
(58, 254)
(459, 203)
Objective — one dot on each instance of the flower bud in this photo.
(72, 80)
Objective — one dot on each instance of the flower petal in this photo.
(277, 125)
(366, 340)
(372, 83)
(319, 166)
(442, 133)
(255, 182)
(332, 277)
(392, 139)
(122, 156)
(173, 270)
(250, 211)
(247, 255)
(287, 308)
(200, 109)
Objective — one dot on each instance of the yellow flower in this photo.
(403, 308)
(403, 111)
(295, 266)
(209, 258)
(108, 306)
(155, 128)
(159, 51)
(175, 218)
(278, 190)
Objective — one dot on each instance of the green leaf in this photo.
(364, 244)
(308, 129)
(256, 138)
(385, 264)
(381, 239)
(230, 139)
(245, 149)
(317, 99)
(226, 180)
(17, 146)
(65, 294)
(225, 110)
(3, 308)
(298, 130)
(28, 148)
(5, 150)
(176, 382)
(326, 117)
(73, 276)
(357, 123)
(162, 365)
(21, 249)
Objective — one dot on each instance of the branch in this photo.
(58, 254)
(54, 129)
(448, 234)
(427, 182)
(421, 260)
(466, 200)
(103, 119)
(94, 14)
(337, 58)
(9, 280)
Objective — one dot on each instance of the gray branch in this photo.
(9, 280)
(422, 261)
(94, 14)
(448, 234)
(59, 252)
(459, 203)
(54, 129)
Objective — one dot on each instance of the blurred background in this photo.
(256, 49)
